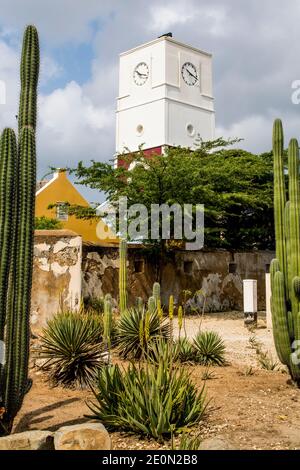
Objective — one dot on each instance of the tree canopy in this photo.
(235, 186)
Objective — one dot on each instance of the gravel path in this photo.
(235, 335)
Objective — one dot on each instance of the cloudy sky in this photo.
(255, 45)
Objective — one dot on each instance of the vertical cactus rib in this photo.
(279, 193)
(281, 332)
(294, 220)
(123, 276)
(8, 155)
(30, 62)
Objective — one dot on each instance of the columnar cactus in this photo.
(139, 304)
(156, 292)
(285, 269)
(151, 304)
(123, 276)
(107, 322)
(17, 205)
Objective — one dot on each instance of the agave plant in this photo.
(155, 399)
(210, 348)
(71, 345)
(137, 330)
(185, 351)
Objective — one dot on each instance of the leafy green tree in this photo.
(235, 186)
(45, 223)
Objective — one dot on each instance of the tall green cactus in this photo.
(123, 276)
(285, 269)
(151, 304)
(156, 292)
(17, 207)
(107, 322)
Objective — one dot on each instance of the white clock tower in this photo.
(165, 96)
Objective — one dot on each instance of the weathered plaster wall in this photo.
(216, 275)
(56, 274)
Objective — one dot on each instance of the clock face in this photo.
(189, 73)
(141, 73)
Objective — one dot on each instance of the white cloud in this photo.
(71, 127)
(164, 17)
(50, 69)
(256, 130)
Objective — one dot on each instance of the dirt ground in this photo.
(250, 407)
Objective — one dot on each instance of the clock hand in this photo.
(192, 75)
(141, 74)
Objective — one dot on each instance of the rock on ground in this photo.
(29, 440)
(87, 436)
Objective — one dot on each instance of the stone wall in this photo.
(216, 275)
(56, 274)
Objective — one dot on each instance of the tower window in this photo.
(61, 211)
(139, 129)
(190, 130)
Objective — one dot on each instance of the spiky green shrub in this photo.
(72, 346)
(155, 400)
(136, 330)
(95, 304)
(188, 442)
(185, 351)
(210, 348)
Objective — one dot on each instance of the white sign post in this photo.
(250, 301)
(268, 301)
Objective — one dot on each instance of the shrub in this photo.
(46, 223)
(184, 350)
(210, 348)
(71, 343)
(136, 331)
(154, 399)
(94, 304)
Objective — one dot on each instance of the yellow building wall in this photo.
(62, 190)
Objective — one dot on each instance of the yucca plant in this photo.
(136, 331)
(153, 399)
(185, 351)
(210, 348)
(188, 442)
(72, 346)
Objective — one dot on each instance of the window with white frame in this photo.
(61, 211)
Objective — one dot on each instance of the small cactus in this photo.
(151, 304)
(139, 304)
(156, 292)
(123, 276)
(107, 322)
